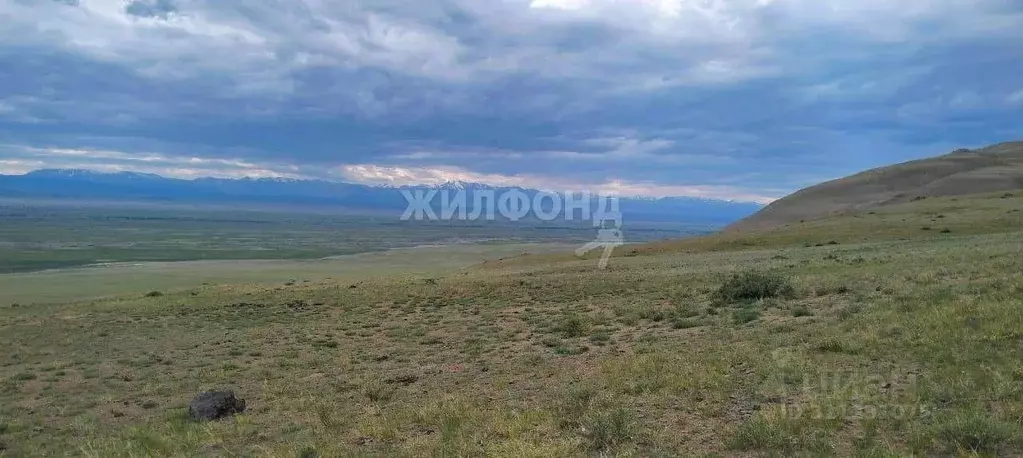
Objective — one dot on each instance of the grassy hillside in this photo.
(923, 219)
(894, 341)
(998, 168)
(930, 218)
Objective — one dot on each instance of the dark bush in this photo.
(154, 294)
(801, 311)
(572, 325)
(751, 285)
(685, 323)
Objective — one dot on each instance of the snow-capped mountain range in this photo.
(86, 185)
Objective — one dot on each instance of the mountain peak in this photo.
(277, 179)
(455, 185)
(459, 185)
(61, 172)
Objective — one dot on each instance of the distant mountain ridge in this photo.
(78, 184)
(995, 168)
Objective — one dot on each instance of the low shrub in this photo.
(751, 286)
(975, 432)
(801, 312)
(609, 429)
(572, 325)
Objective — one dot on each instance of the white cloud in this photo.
(630, 147)
(397, 176)
(610, 151)
(104, 30)
(560, 4)
(26, 159)
(18, 167)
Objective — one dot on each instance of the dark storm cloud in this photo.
(761, 97)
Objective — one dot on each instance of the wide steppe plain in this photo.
(890, 333)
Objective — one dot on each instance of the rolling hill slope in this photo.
(996, 168)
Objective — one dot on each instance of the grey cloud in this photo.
(151, 8)
(792, 88)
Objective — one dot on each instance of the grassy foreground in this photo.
(883, 347)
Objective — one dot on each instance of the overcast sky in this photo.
(738, 99)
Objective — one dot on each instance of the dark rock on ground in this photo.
(406, 379)
(214, 405)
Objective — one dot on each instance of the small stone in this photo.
(214, 405)
(406, 379)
